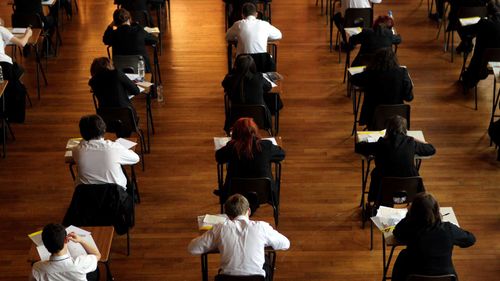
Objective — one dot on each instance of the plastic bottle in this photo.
(159, 93)
(1, 75)
(141, 68)
(390, 14)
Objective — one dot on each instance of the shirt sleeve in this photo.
(274, 33)
(277, 154)
(222, 155)
(461, 238)
(402, 231)
(128, 84)
(203, 243)
(424, 149)
(86, 263)
(275, 239)
(232, 32)
(407, 86)
(107, 38)
(6, 34)
(126, 156)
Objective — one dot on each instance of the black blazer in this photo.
(112, 89)
(133, 5)
(254, 89)
(429, 249)
(382, 87)
(371, 40)
(393, 158)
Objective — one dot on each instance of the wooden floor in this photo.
(321, 174)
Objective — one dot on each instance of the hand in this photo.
(29, 32)
(74, 237)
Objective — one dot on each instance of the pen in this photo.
(446, 214)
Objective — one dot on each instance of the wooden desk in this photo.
(103, 237)
(4, 120)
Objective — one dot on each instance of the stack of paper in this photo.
(370, 136)
(469, 21)
(353, 30)
(126, 143)
(152, 29)
(387, 218)
(207, 221)
(220, 142)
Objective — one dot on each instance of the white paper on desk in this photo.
(77, 230)
(388, 217)
(43, 252)
(469, 21)
(151, 29)
(351, 31)
(126, 143)
(76, 249)
(72, 143)
(273, 140)
(356, 69)
(144, 84)
(269, 80)
(18, 30)
(134, 77)
(370, 136)
(220, 142)
(206, 222)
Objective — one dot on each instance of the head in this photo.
(100, 65)
(493, 7)
(245, 137)
(121, 16)
(54, 237)
(245, 64)
(236, 205)
(383, 22)
(396, 125)
(424, 210)
(383, 59)
(92, 127)
(248, 9)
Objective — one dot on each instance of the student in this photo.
(383, 82)
(394, 154)
(371, 40)
(61, 265)
(111, 86)
(248, 155)
(100, 161)
(128, 38)
(429, 241)
(240, 241)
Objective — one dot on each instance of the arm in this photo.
(275, 239)
(424, 149)
(277, 154)
(365, 148)
(127, 156)
(202, 244)
(128, 84)
(407, 90)
(90, 249)
(461, 238)
(222, 155)
(274, 33)
(107, 38)
(149, 39)
(402, 231)
(232, 32)
(21, 42)
(266, 85)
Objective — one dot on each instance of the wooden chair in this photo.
(258, 112)
(385, 111)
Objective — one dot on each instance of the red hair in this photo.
(245, 137)
(383, 21)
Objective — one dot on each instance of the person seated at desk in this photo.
(488, 36)
(111, 86)
(383, 82)
(61, 266)
(244, 85)
(394, 154)
(240, 241)
(15, 92)
(100, 161)
(251, 33)
(35, 7)
(248, 155)
(371, 40)
(429, 241)
(128, 38)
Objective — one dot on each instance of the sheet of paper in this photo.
(270, 81)
(273, 140)
(36, 237)
(77, 230)
(68, 153)
(370, 136)
(76, 249)
(18, 30)
(43, 252)
(72, 143)
(126, 143)
(469, 21)
(145, 84)
(351, 31)
(220, 142)
(132, 76)
(152, 29)
(356, 69)
(48, 2)
(387, 218)
(206, 222)
(141, 89)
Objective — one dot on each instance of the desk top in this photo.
(469, 21)
(130, 143)
(103, 237)
(373, 136)
(220, 142)
(48, 2)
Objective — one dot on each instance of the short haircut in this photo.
(100, 65)
(92, 127)
(248, 9)
(236, 205)
(53, 235)
(120, 16)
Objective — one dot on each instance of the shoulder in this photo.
(85, 261)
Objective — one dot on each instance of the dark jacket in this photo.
(394, 157)
(455, 5)
(429, 249)
(101, 205)
(393, 86)
(371, 40)
(133, 5)
(129, 40)
(112, 89)
(259, 166)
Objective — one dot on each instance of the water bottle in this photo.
(390, 14)
(159, 93)
(1, 75)
(140, 68)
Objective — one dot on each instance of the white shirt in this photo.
(64, 268)
(241, 243)
(252, 35)
(5, 39)
(346, 4)
(99, 161)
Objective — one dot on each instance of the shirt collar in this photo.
(251, 17)
(59, 258)
(242, 218)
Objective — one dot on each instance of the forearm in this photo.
(90, 249)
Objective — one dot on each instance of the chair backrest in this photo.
(491, 54)
(141, 17)
(354, 16)
(385, 111)
(261, 186)
(26, 19)
(119, 120)
(127, 63)
(256, 111)
(404, 188)
(223, 277)
(415, 277)
(101, 205)
(469, 12)
(264, 62)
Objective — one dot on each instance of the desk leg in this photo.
(4, 132)
(134, 181)
(71, 171)
(149, 120)
(204, 267)
(386, 265)
(229, 56)
(418, 163)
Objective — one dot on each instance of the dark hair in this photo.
(244, 69)
(382, 60)
(120, 16)
(100, 65)
(92, 127)
(383, 22)
(236, 205)
(493, 7)
(248, 9)
(424, 210)
(396, 125)
(245, 137)
(53, 236)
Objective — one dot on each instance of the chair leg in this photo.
(143, 144)
(371, 235)
(475, 98)
(128, 243)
